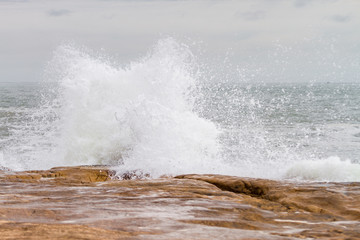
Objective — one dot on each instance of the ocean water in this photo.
(163, 115)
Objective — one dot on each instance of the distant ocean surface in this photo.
(160, 115)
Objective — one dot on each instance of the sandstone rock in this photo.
(65, 175)
(86, 202)
(338, 200)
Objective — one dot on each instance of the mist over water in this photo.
(163, 116)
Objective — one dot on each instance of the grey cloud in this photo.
(302, 3)
(251, 16)
(141, 0)
(340, 18)
(13, 1)
(59, 12)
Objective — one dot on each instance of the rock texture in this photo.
(86, 202)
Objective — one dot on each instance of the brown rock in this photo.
(87, 203)
(68, 175)
(338, 200)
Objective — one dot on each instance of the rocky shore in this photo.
(86, 202)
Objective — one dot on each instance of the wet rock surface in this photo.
(86, 202)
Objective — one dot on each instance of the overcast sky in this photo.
(303, 39)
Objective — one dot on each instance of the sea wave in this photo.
(159, 116)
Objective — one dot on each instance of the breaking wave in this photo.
(157, 117)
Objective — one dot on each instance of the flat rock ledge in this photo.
(87, 202)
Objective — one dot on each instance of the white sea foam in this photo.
(1, 158)
(331, 169)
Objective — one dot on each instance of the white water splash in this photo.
(138, 117)
(152, 116)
